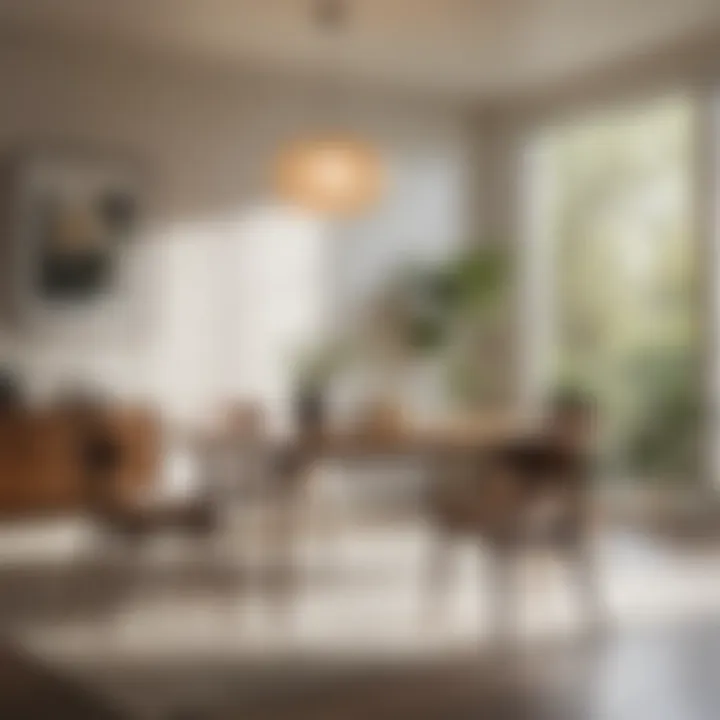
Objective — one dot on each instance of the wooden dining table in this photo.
(426, 442)
(300, 456)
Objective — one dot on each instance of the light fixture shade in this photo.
(330, 175)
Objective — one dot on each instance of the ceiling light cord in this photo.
(331, 15)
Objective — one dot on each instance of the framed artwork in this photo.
(71, 218)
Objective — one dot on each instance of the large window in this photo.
(624, 321)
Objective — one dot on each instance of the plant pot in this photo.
(310, 410)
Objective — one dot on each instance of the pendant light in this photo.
(335, 174)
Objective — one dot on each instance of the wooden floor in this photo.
(30, 691)
(668, 673)
(663, 674)
(101, 641)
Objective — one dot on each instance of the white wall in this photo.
(224, 279)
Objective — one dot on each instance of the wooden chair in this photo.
(121, 508)
(523, 493)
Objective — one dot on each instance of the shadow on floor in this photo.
(29, 691)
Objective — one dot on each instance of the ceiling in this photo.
(477, 47)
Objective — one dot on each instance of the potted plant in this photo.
(317, 367)
(433, 314)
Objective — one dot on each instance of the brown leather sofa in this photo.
(41, 466)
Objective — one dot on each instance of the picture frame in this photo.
(70, 218)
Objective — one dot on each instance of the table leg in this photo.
(285, 537)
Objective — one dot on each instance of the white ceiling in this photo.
(481, 47)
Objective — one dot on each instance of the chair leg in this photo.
(439, 575)
(503, 594)
(584, 569)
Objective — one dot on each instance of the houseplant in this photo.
(433, 318)
(316, 368)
